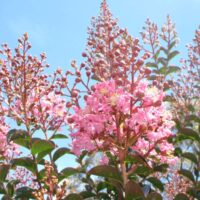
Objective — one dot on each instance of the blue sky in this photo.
(58, 27)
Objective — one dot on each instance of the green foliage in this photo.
(106, 171)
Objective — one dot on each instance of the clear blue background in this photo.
(59, 27)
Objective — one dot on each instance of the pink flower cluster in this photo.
(7, 150)
(25, 178)
(115, 119)
(46, 111)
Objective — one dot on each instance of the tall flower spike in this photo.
(111, 52)
(186, 90)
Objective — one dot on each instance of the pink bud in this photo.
(84, 54)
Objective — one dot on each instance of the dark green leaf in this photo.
(191, 156)
(177, 151)
(69, 171)
(172, 69)
(164, 50)
(150, 64)
(24, 193)
(133, 190)
(86, 194)
(73, 196)
(190, 133)
(26, 162)
(42, 154)
(40, 145)
(194, 118)
(59, 136)
(187, 174)
(162, 70)
(156, 54)
(6, 197)
(11, 186)
(152, 77)
(106, 171)
(172, 55)
(2, 188)
(163, 61)
(156, 183)
(4, 169)
(143, 171)
(181, 196)
(161, 168)
(19, 137)
(61, 152)
(154, 196)
(172, 45)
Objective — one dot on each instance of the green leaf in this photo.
(156, 183)
(40, 145)
(4, 169)
(156, 54)
(154, 196)
(6, 197)
(143, 171)
(41, 174)
(41, 155)
(187, 174)
(152, 77)
(101, 186)
(161, 168)
(61, 152)
(164, 50)
(11, 186)
(19, 137)
(106, 171)
(162, 70)
(86, 194)
(172, 69)
(69, 171)
(150, 64)
(163, 61)
(177, 151)
(59, 136)
(2, 188)
(24, 193)
(190, 156)
(194, 118)
(133, 190)
(181, 196)
(190, 134)
(172, 55)
(172, 45)
(26, 162)
(73, 196)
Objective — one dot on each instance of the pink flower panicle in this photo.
(186, 92)
(111, 51)
(7, 150)
(27, 94)
(114, 118)
(25, 178)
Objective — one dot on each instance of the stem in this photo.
(124, 174)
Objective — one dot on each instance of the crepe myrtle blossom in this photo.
(116, 120)
(25, 178)
(7, 150)
(46, 110)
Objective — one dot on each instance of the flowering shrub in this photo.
(127, 117)
(115, 120)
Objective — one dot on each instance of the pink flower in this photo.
(113, 117)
